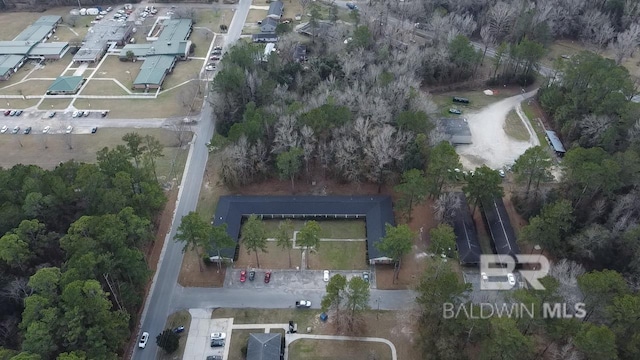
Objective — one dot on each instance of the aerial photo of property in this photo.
(285, 180)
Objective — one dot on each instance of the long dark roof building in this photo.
(376, 210)
(555, 142)
(502, 234)
(469, 250)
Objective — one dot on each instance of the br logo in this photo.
(501, 265)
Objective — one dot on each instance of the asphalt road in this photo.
(165, 280)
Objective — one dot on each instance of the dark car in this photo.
(252, 275)
(94, 130)
(217, 48)
(243, 276)
(217, 343)
(460, 100)
(27, 130)
(7, 112)
(267, 277)
(352, 6)
(455, 111)
(179, 329)
(214, 357)
(52, 114)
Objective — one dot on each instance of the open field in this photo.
(14, 23)
(331, 229)
(274, 258)
(239, 339)
(514, 127)
(180, 318)
(53, 68)
(212, 188)
(20, 75)
(66, 33)
(476, 98)
(112, 67)
(29, 87)
(256, 15)
(54, 104)
(48, 150)
(201, 38)
(184, 71)
(212, 19)
(327, 349)
(339, 255)
(18, 103)
(396, 326)
(537, 125)
(102, 87)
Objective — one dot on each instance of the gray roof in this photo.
(54, 48)
(456, 126)
(265, 36)
(39, 29)
(500, 229)
(275, 8)
(154, 69)
(469, 250)
(99, 36)
(15, 47)
(179, 48)
(555, 141)
(376, 210)
(300, 52)
(263, 346)
(8, 62)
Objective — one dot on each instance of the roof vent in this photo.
(169, 43)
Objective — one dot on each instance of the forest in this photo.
(72, 262)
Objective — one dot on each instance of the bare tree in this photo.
(501, 18)
(18, 290)
(385, 147)
(234, 163)
(186, 12)
(567, 273)
(347, 158)
(308, 145)
(446, 206)
(487, 40)
(591, 241)
(286, 135)
(593, 128)
(181, 131)
(596, 28)
(626, 42)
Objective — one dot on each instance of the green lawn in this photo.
(180, 318)
(537, 126)
(477, 100)
(329, 349)
(339, 255)
(331, 229)
(304, 317)
(514, 127)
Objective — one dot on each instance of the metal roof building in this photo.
(502, 235)
(469, 250)
(99, 37)
(555, 142)
(457, 129)
(10, 64)
(54, 50)
(16, 47)
(375, 210)
(42, 28)
(65, 85)
(153, 71)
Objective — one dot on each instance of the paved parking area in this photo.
(198, 345)
(290, 279)
(477, 295)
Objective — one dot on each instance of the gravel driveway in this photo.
(491, 145)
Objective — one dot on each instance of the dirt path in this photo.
(491, 145)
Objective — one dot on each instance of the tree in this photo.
(442, 241)
(596, 342)
(413, 189)
(589, 172)
(599, 289)
(195, 233)
(153, 150)
(220, 239)
(532, 167)
(314, 21)
(135, 146)
(550, 227)
(624, 315)
(395, 244)
(254, 236)
(309, 236)
(357, 300)
(483, 185)
(334, 296)
(14, 251)
(168, 341)
(284, 237)
(130, 55)
(289, 164)
(506, 342)
(442, 161)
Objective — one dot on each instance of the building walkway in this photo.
(81, 69)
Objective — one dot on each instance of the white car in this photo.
(69, 129)
(46, 129)
(143, 340)
(484, 276)
(325, 275)
(218, 336)
(511, 279)
(4, 129)
(76, 114)
(210, 67)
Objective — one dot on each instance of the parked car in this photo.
(484, 276)
(217, 48)
(216, 52)
(210, 67)
(511, 279)
(352, 6)
(214, 57)
(86, 113)
(214, 357)
(104, 113)
(365, 276)
(76, 114)
(325, 275)
(252, 275)
(18, 112)
(455, 111)
(4, 129)
(94, 129)
(217, 343)
(501, 173)
(27, 130)
(46, 129)
(69, 129)
(51, 114)
(243, 276)
(12, 113)
(143, 340)
(267, 277)
(15, 130)
(303, 304)
(7, 112)
(218, 336)
(179, 329)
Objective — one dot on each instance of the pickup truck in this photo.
(303, 304)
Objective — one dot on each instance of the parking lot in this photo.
(478, 295)
(289, 279)
(199, 338)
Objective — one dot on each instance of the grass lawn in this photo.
(514, 127)
(65, 33)
(18, 76)
(165, 105)
(328, 349)
(274, 258)
(304, 317)
(477, 100)
(103, 87)
(331, 229)
(112, 67)
(239, 340)
(212, 19)
(28, 87)
(339, 255)
(180, 318)
(53, 68)
(54, 104)
(212, 188)
(201, 38)
(256, 15)
(535, 123)
(14, 23)
(184, 70)
(84, 145)
(19, 103)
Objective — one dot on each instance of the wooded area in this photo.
(71, 257)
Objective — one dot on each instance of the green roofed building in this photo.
(10, 64)
(153, 71)
(65, 85)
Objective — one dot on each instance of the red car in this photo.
(243, 276)
(7, 112)
(267, 277)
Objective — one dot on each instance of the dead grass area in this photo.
(53, 68)
(274, 258)
(481, 230)
(256, 15)
(54, 104)
(64, 33)
(19, 103)
(212, 188)
(212, 19)
(20, 75)
(397, 326)
(514, 127)
(239, 340)
(292, 8)
(13, 23)
(201, 38)
(192, 276)
(477, 99)
(180, 318)
(28, 87)
(164, 106)
(334, 349)
(112, 67)
(184, 71)
(162, 223)
(103, 87)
